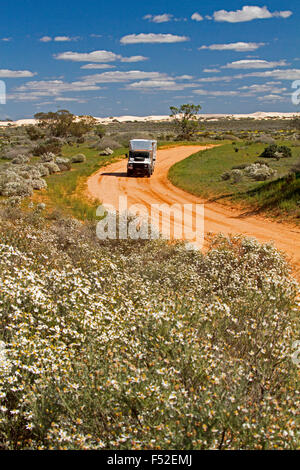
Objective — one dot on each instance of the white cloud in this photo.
(235, 46)
(98, 56)
(4, 73)
(269, 87)
(271, 98)
(166, 84)
(164, 18)
(249, 13)
(254, 64)
(97, 66)
(119, 77)
(152, 38)
(288, 74)
(58, 39)
(46, 39)
(134, 58)
(67, 99)
(216, 93)
(6, 39)
(95, 56)
(197, 17)
(34, 90)
(211, 71)
(277, 74)
(64, 39)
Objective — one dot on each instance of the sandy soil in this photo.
(111, 182)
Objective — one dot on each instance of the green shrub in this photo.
(275, 151)
(51, 145)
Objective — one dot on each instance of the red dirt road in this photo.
(111, 182)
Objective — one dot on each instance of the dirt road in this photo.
(111, 182)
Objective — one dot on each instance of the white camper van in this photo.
(142, 157)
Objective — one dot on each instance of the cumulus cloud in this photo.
(288, 74)
(152, 38)
(254, 64)
(165, 84)
(249, 13)
(211, 70)
(197, 17)
(58, 39)
(46, 39)
(216, 93)
(164, 18)
(134, 58)
(97, 66)
(64, 39)
(95, 56)
(4, 73)
(269, 87)
(234, 46)
(98, 56)
(34, 90)
(119, 76)
(271, 98)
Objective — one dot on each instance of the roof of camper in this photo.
(142, 140)
(142, 144)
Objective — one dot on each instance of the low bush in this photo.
(79, 158)
(277, 152)
(52, 145)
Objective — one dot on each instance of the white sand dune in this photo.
(260, 115)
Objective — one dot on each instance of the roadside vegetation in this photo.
(142, 345)
(263, 177)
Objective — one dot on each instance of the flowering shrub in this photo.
(260, 172)
(143, 345)
(256, 171)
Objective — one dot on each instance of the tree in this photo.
(100, 131)
(63, 123)
(185, 118)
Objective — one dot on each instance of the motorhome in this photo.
(142, 157)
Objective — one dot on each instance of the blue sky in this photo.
(132, 57)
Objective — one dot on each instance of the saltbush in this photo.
(79, 158)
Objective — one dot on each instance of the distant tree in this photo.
(100, 131)
(62, 123)
(185, 118)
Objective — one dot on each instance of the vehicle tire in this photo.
(129, 173)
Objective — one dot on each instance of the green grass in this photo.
(64, 189)
(201, 173)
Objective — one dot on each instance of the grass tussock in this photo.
(143, 345)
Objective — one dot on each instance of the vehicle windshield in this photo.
(138, 156)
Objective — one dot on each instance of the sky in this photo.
(113, 58)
